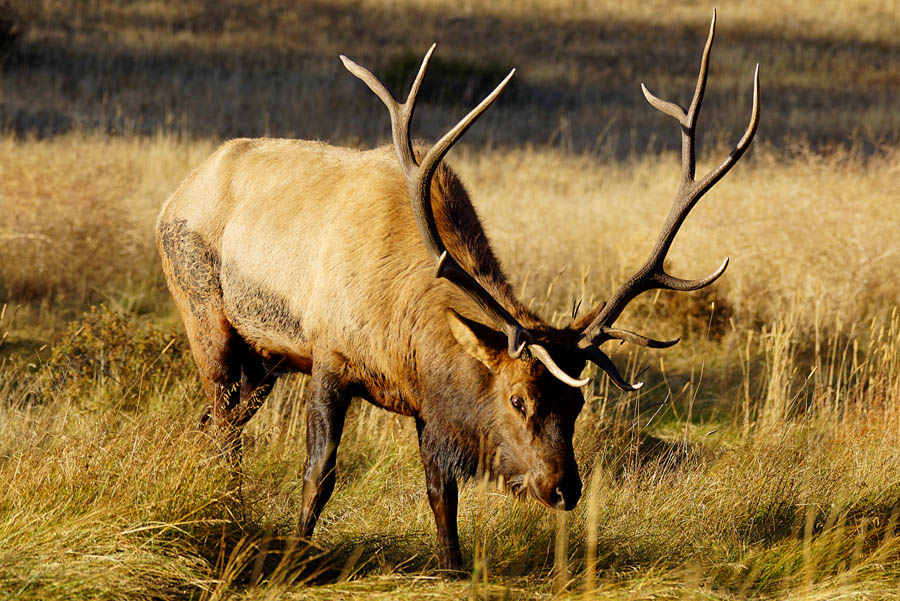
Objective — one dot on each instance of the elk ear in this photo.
(478, 340)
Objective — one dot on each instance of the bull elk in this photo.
(291, 255)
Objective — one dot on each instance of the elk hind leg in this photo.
(254, 385)
(217, 351)
(192, 267)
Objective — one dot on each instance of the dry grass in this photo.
(112, 500)
(796, 226)
(758, 462)
(79, 216)
(83, 208)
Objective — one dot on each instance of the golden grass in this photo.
(814, 231)
(113, 502)
(796, 227)
(759, 461)
(80, 213)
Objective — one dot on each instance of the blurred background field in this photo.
(239, 68)
(761, 459)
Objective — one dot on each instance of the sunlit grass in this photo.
(131, 503)
(759, 461)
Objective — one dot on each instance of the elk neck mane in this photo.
(462, 232)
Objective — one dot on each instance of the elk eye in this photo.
(518, 402)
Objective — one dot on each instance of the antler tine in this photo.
(635, 338)
(437, 152)
(542, 355)
(418, 178)
(687, 119)
(652, 275)
(688, 156)
(401, 114)
(598, 357)
(402, 139)
(420, 186)
(738, 151)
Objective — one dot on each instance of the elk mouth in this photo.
(516, 486)
(521, 487)
(540, 498)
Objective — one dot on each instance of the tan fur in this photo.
(329, 231)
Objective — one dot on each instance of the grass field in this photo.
(760, 461)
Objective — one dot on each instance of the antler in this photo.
(418, 178)
(652, 275)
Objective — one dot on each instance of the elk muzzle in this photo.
(559, 490)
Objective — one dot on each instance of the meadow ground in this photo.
(761, 459)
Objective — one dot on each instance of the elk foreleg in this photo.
(443, 496)
(326, 409)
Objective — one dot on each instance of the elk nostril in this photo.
(559, 501)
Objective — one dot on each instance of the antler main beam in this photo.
(418, 178)
(652, 275)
